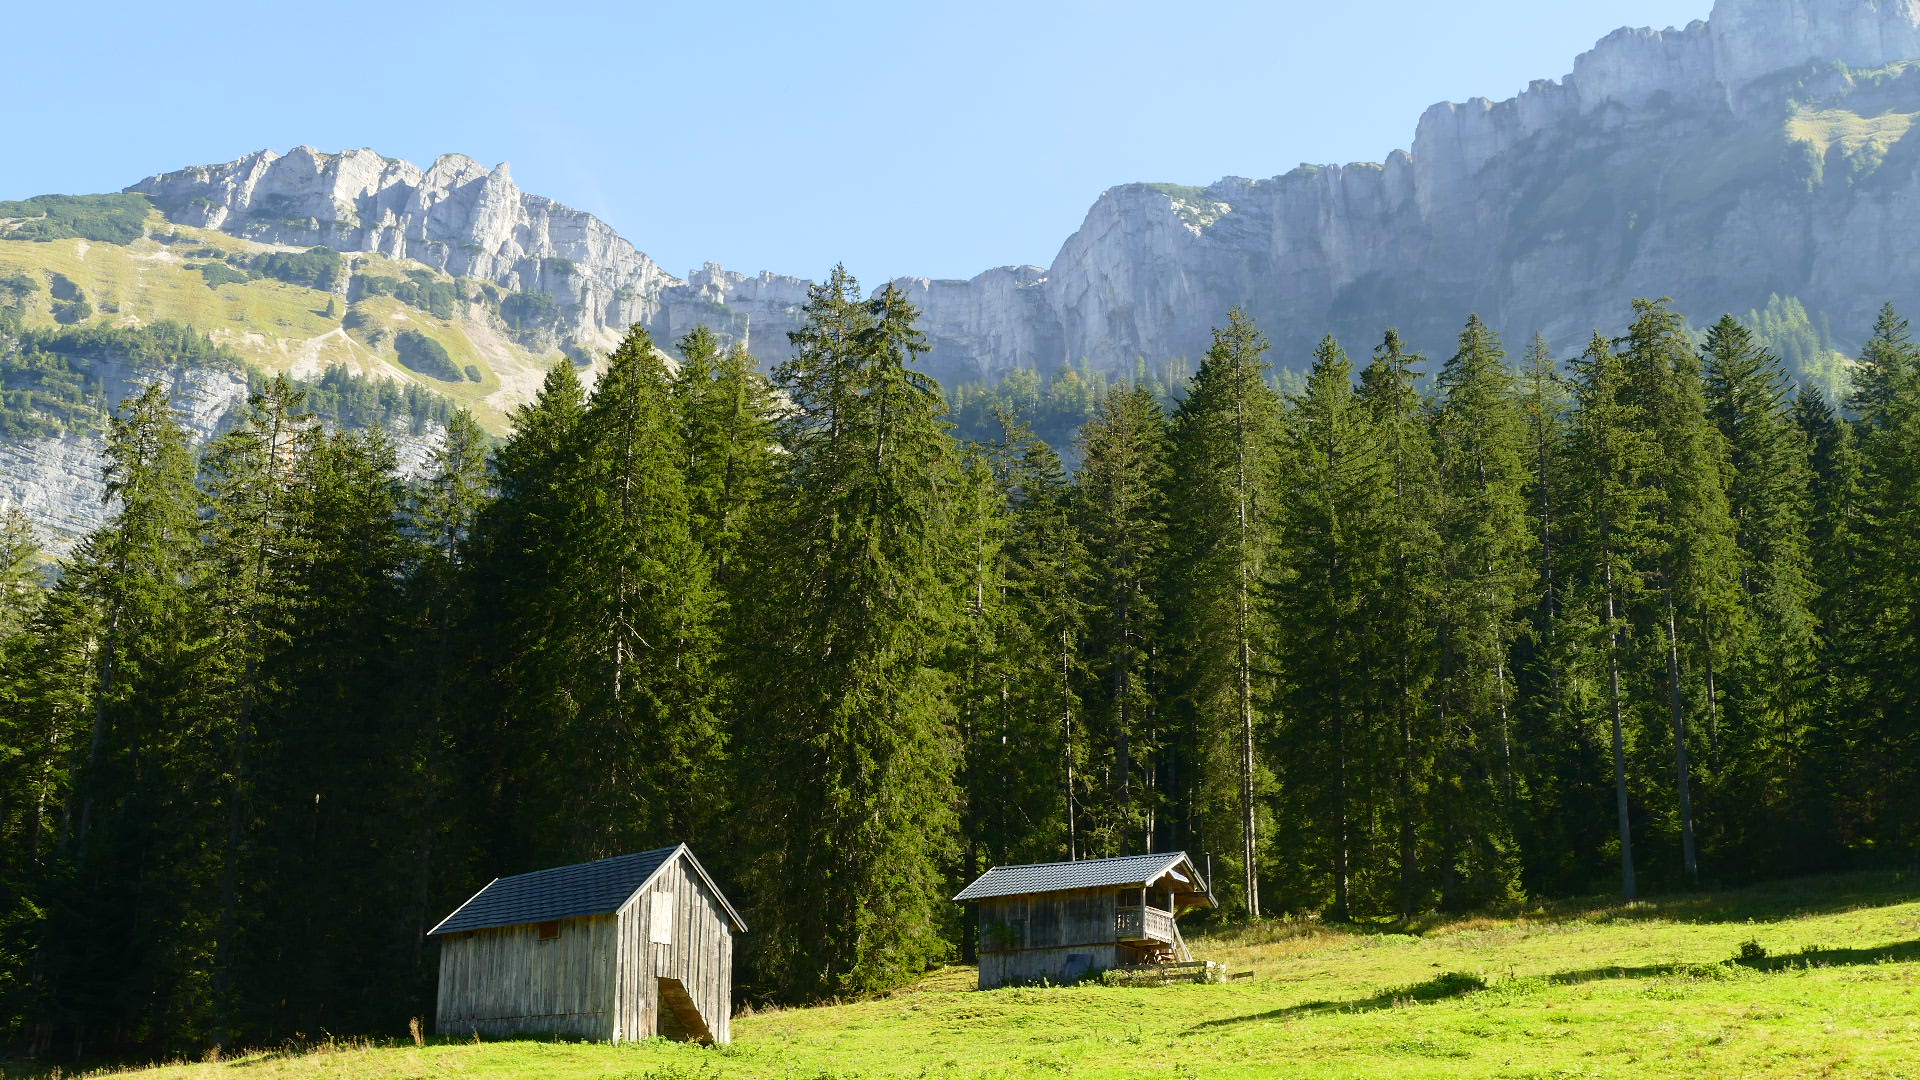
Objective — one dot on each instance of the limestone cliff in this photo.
(457, 216)
(1719, 163)
(1765, 150)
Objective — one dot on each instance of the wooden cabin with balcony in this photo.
(1063, 922)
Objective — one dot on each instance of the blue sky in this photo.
(933, 138)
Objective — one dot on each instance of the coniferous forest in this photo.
(1417, 633)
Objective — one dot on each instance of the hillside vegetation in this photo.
(94, 261)
(1651, 989)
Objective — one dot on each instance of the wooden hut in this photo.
(623, 948)
(1061, 922)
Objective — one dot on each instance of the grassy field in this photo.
(276, 326)
(1575, 990)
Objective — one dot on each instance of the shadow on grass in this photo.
(1774, 901)
(1439, 988)
(1763, 903)
(1454, 984)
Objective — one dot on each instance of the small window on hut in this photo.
(550, 931)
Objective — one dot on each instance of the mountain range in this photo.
(1760, 156)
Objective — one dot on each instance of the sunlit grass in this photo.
(275, 326)
(1822, 128)
(1580, 989)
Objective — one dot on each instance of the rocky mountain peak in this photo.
(1754, 38)
(1153, 265)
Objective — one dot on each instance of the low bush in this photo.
(420, 353)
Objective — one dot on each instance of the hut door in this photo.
(679, 1017)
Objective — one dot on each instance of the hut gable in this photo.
(624, 948)
(571, 892)
(1058, 922)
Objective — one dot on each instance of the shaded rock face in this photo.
(1755, 38)
(1663, 164)
(59, 481)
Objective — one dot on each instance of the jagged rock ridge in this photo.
(1486, 213)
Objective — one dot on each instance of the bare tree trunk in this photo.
(1713, 704)
(1342, 868)
(1629, 886)
(1243, 630)
(1688, 856)
(1409, 850)
(96, 749)
(1506, 734)
(1066, 739)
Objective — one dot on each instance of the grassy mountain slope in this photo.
(215, 283)
(1641, 990)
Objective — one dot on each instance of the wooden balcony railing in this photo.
(1144, 924)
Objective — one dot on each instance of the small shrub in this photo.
(526, 312)
(425, 355)
(315, 268)
(1708, 972)
(219, 273)
(1449, 984)
(69, 312)
(473, 373)
(1751, 952)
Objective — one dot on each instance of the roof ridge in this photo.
(594, 862)
(575, 890)
(1117, 870)
(1085, 862)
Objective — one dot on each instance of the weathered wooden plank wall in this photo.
(1062, 965)
(509, 982)
(1039, 936)
(698, 953)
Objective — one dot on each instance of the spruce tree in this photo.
(1886, 669)
(1697, 604)
(996, 733)
(1223, 439)
(125, 948)
(1564, 774)
(331, 794)
(1042, 734)
(1487, 578)
(1120, 497)
(445, 667)
(250, 552)
(20, 585)
(1332, 480)
(1399, 646)
(1768, 496)
(635, 632)
(727, 413)
(520, 574)
(1836, 521)
(1610, 531)
(853, 743)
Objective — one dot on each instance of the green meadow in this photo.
(1801, 979)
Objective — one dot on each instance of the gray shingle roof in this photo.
(568, 892)
(1085, 874)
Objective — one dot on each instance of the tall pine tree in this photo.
(1223, 439)
(854, 630)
